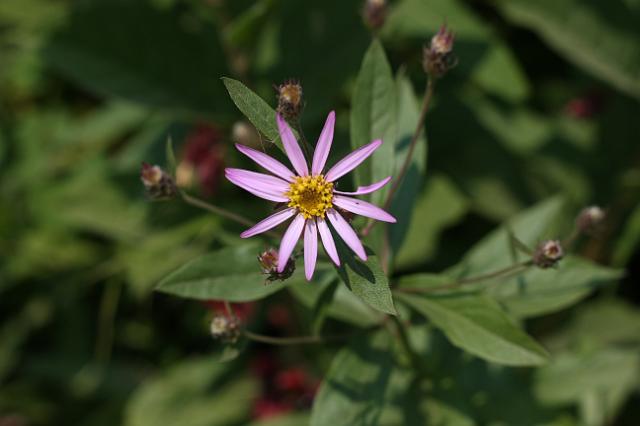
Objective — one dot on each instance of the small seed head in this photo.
(548, 254)
(225, 328)
(375, 13)
(438, 58)
(590, 219)
(269, 264)
(158, 183)
(289, 100)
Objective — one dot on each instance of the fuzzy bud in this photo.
(269, 263)
(548, 254)
(158, 183)
(225, 328)
(289, 100)
(438, 58)
(375, 13)
(589, 219)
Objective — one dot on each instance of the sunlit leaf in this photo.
(478, 325)
(231, 274)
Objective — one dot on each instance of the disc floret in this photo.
(312, 196)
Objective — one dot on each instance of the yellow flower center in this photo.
(310, 195)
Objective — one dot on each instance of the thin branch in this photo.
(296, 340)
(428, 95)
(500, 273)
(196, 202)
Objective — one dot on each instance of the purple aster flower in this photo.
(310, 196)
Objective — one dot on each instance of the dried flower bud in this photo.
(375, 13)
(438, 58)
(269, 264)
(289, 100)
(548, 254)
(225, 328)
(589, 219)
(158, 184)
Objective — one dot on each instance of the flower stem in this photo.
(428, 94)
(196, 202)
(500, 273)
(296, 340)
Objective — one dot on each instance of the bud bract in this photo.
(548, 254)
(158, 183)
(289, 100)
(438, 57)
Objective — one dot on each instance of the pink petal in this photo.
(263, 186)
(268, 223)
(310, 248)
(324, 145)
(289, 241)
(352, 160)
(367, 189)
(291, 147)
(362, 208)
(347, 233)
(268, 162)
(327, 241)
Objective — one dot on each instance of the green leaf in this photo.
(602, 38)
(231, 274)
(533, 292)
(190, 393)
(147, 62)
(542, 291)
(345, 305)
(184, 242)
(90, 201)
(570, 377)
(478, 325)
(404, 200)
(605, 323)
(171, 157)
(373, 116)
(494, 251)
(366, 386)
(427, 223)
(357, 385)
(629, 239)
(366, 280)
(261, 115)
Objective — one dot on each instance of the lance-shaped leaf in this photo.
(478, 325)
(366, 279)
(259, 112)
(231, 274)
(373, 116)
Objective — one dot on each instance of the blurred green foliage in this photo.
(538, 119)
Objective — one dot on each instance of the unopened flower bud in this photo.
(289, 100)
(589, 219)
(158, 183)
(375, 13)
(225, 328)
(269, 263)
(438, 57)
(548, 254)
